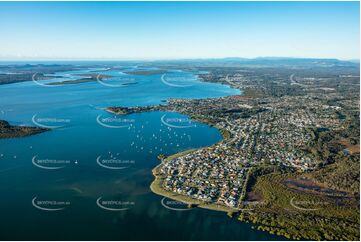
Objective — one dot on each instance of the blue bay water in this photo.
(82, 138)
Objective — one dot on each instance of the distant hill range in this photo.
(289, 61)
(269, 62)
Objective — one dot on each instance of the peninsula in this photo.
(289, 160)
(11, 131)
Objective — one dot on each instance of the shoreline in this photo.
(156, 185)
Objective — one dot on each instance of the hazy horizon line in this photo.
(166, 59)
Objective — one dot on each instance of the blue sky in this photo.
(162, 30)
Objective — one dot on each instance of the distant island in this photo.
(89, 78)
(145, 72)
(10, 74)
